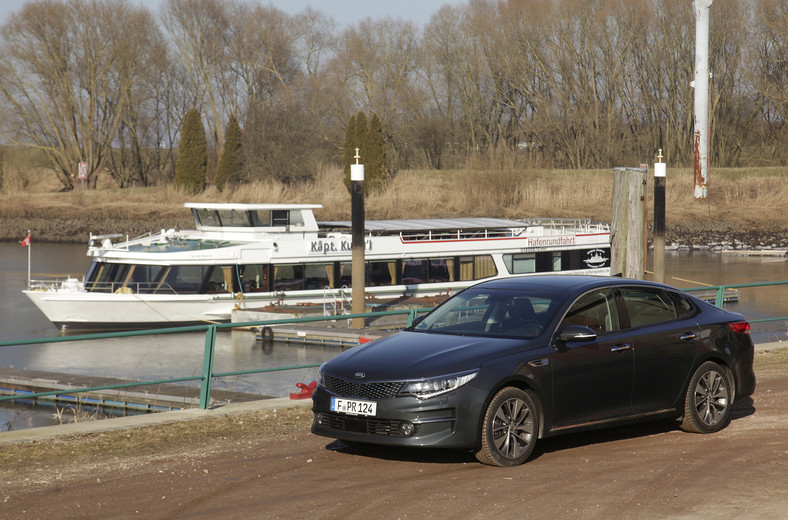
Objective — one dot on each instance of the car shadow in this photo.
(403, 454)
(741, 409)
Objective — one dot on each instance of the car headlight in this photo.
(427, 388)
(321, 378)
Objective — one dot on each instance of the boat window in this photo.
(261, 218)
(319, 276)
(521, 263)
(556, 260)
(219, 280)
(234, 218)
(183, 279)
(476, 267)
(413, 271)
(288, 277)
(440, 270)
(143, 278)
(345, 274)
(296, 218)
(254, 278)
(208, 217)
(107, 277)
(280, 217)
(381, 273)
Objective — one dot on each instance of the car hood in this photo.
(417, 355)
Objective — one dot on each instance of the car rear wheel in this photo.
(707, 407)
(510, 428)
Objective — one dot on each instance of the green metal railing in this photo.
(208, 373)
(719, 298)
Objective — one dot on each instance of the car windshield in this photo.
(489, 312)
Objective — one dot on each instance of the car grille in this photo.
(345, 388)
(368, 425)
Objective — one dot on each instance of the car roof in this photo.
(562, 282)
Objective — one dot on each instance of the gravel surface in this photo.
(268, 465)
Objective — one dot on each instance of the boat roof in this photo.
(247, 207)
(438, 224)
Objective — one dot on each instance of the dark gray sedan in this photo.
(513, 360)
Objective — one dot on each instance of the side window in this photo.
(596, 310)
(647, 306)
(684, 306)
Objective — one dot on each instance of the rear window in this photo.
(648, 306)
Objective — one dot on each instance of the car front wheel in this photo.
(707, 407)
(510, 428)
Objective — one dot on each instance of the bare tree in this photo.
(67, 70)
(199, 30)
(143, 145)
(375, 66)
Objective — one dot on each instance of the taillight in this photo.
(740, 327)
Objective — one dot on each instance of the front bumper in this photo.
(451, 420)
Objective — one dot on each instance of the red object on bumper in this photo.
(306, 391)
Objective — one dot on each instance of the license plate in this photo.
(353, 407)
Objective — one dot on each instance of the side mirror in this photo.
(416, 321)
(577, 333)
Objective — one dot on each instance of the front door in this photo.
(592, 381)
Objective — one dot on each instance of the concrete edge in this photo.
(149, 419)
(190, 414)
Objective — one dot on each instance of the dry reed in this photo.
(754, 197)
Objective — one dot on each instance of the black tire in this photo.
(707, 406)
(510, 428)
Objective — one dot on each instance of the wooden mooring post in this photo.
(628, 222)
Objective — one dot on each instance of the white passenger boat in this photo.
(252, 256)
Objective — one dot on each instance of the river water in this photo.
(170, 356)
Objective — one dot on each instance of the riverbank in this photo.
(746, 209)
(224, 466)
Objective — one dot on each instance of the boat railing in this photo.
(570, 225)
(564, 226)
(61, 283)
(336, 301)
(130, 288)
(459, 234)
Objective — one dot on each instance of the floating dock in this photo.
(729, 296)
(148, 398)
(756, 252)
(316, 335)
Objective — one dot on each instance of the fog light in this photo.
(318, 418)
(407, 428)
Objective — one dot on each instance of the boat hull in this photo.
(86, 311)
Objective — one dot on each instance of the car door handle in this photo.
(619, 348)
(688, 336)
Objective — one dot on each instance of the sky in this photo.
(345, 12)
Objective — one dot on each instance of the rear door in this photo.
(664, 337)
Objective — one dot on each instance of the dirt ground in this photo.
(268, 465)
